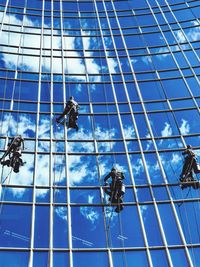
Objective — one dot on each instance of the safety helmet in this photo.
(189, 147)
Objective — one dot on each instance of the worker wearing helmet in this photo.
(117, 188)
(71, 109)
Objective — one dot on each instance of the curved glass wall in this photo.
(133, 67)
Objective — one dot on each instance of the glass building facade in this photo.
(133, 67)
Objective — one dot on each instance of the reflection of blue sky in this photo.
(70, 159)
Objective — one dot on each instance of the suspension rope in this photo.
(122, 241)
(4, 189)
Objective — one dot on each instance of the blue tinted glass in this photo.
(41, 227)
(159, 256)
(98, 259)
(10, 258)
(12, 218)
(40, 259)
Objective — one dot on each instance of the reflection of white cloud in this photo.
(171, 163)
(21, 125)
(91, 66)
(82, 134)
(111, 215)
(193, 35)
(79, 169)
(147, 60)
(112, 64)
(61, 212)
(185, 127)
(24, 177)
(90, 214)
(71, 65)
(90, 199)
(42, 170)
(43, 128)
(149, 142)
(133, 61)
(129, 132)
(40, 192)
(138, 167)
(103, 134)
(162, 53)
(180, 36)
(167, 131)
(143, 209)
(175, 159)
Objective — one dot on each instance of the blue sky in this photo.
(110, 110)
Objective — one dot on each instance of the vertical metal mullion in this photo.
(65, 65)
(30, 264)
(51, 147)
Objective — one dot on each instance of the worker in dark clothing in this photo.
(71, 110)
(13, 151)
(190, 165)
(14, 161)
(117, 188)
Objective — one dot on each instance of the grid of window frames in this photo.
(133, 67)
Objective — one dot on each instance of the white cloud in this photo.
(79, 169)
(129, 132)
(193, 35)
(71, 65)
(149, 142)
(10, 126)
(44, 129)
(90, 214)
(101, 133)
(133, 61)
(180, 36)
(61, 212)
(82, 134)
(90, 199)
(138, 167)
(163, 52)
(111, 215)
(176, 159)
(147, 60)
(185, 127)
(112, 64)
(167, 131)
(143, 209)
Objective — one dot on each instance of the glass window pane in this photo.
(97, 259)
